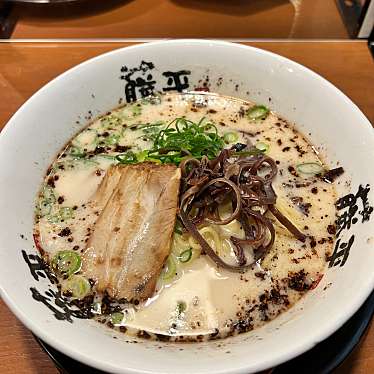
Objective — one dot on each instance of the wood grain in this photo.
(25, 67)
(180, 19)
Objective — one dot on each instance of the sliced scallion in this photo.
(44, 208)
(142, 156)
(136, 110)
(79, 286)
(181, 307)
(66, 262)
(156, 161)
(66, 213)
(185, 256)
(117, 318)
(127, 158)
(257, 112)
(112, 139)
(252, 152)
(62, 215)
(311, 168)
(263, 147)
(49, 194)
(230, 137)
(45, 204)
(85, 139)
(76, 152)
(169, 269)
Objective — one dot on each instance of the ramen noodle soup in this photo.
(187, 217)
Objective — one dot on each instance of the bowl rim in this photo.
(276, 359)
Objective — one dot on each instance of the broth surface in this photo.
(198, 300)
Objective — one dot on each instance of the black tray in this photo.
(323, 358)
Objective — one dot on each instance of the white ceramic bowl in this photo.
(46, 122)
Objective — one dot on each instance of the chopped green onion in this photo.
(66, 213)
(112, 139)
(127, 158)
(66, 262)
(45, 204)
(142, 156)
(170, 269)
(185, 256)
(181, 307)
(49, 194)
(117, 318)
(79, 286)
(230, 137)
(85, 139)
(136, 110)
(62, 215)
(263, 147)
(186, 137)
(251, 152)
(76, 152)
(311, 168)
(150, 159)
(148, 125)
(257, 112)
(105, 157)
(152, 99)
(44, 208)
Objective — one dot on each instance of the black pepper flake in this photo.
(51, 182)
(121, 148)
(241, 112)
(299, 150)
(313, 242)
(292, 171)
(260, 275)
(99, 150)
(332, 174)
(286, 149)
(76, 247)
(60, 199)
(65, 232)
(314, 190)
(296, 281)
(331, 229)
(303, 207)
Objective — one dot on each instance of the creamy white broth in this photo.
(200, 300)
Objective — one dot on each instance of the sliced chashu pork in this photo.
(132, 236)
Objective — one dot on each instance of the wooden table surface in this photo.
(25, 67)
(180, 19)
